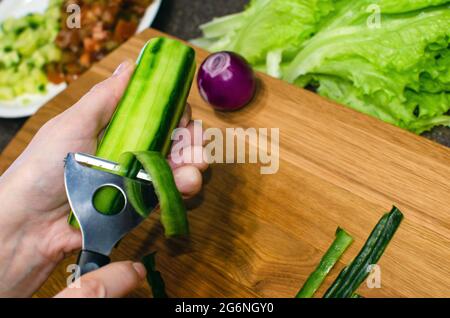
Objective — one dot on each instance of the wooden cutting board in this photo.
(262, 235)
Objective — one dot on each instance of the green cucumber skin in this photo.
(154, 277)
(173, 211)
(153, 103)
(149, 110)
(359, 259)
(350, 286)
(341, 243)
(354, 274)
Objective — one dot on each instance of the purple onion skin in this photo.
(226, 81)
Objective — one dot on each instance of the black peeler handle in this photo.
(90, 261)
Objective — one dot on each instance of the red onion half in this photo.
(226, 81)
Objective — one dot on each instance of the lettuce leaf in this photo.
(398, 72)
(267, 28)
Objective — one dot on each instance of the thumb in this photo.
(112, 281)
(99, 104)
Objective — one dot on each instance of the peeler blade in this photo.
(102, 232)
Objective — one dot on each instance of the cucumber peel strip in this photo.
(154, 277)
(341, 243)
(354, 274)
(173, 212)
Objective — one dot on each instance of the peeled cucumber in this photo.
(148, 112)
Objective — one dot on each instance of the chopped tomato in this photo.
(124, 30)
(85, 59)
(90, 45)
(104, 26)
(54, 75)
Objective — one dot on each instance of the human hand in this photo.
(34, 233)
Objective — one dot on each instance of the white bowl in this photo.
(27, 105)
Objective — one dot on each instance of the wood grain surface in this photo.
(262, 235)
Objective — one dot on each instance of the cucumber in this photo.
(149, 110)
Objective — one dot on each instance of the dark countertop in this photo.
(181, 18)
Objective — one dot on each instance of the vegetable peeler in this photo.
(84, 175)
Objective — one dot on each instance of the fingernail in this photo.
(140, 269)
(122, 67)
